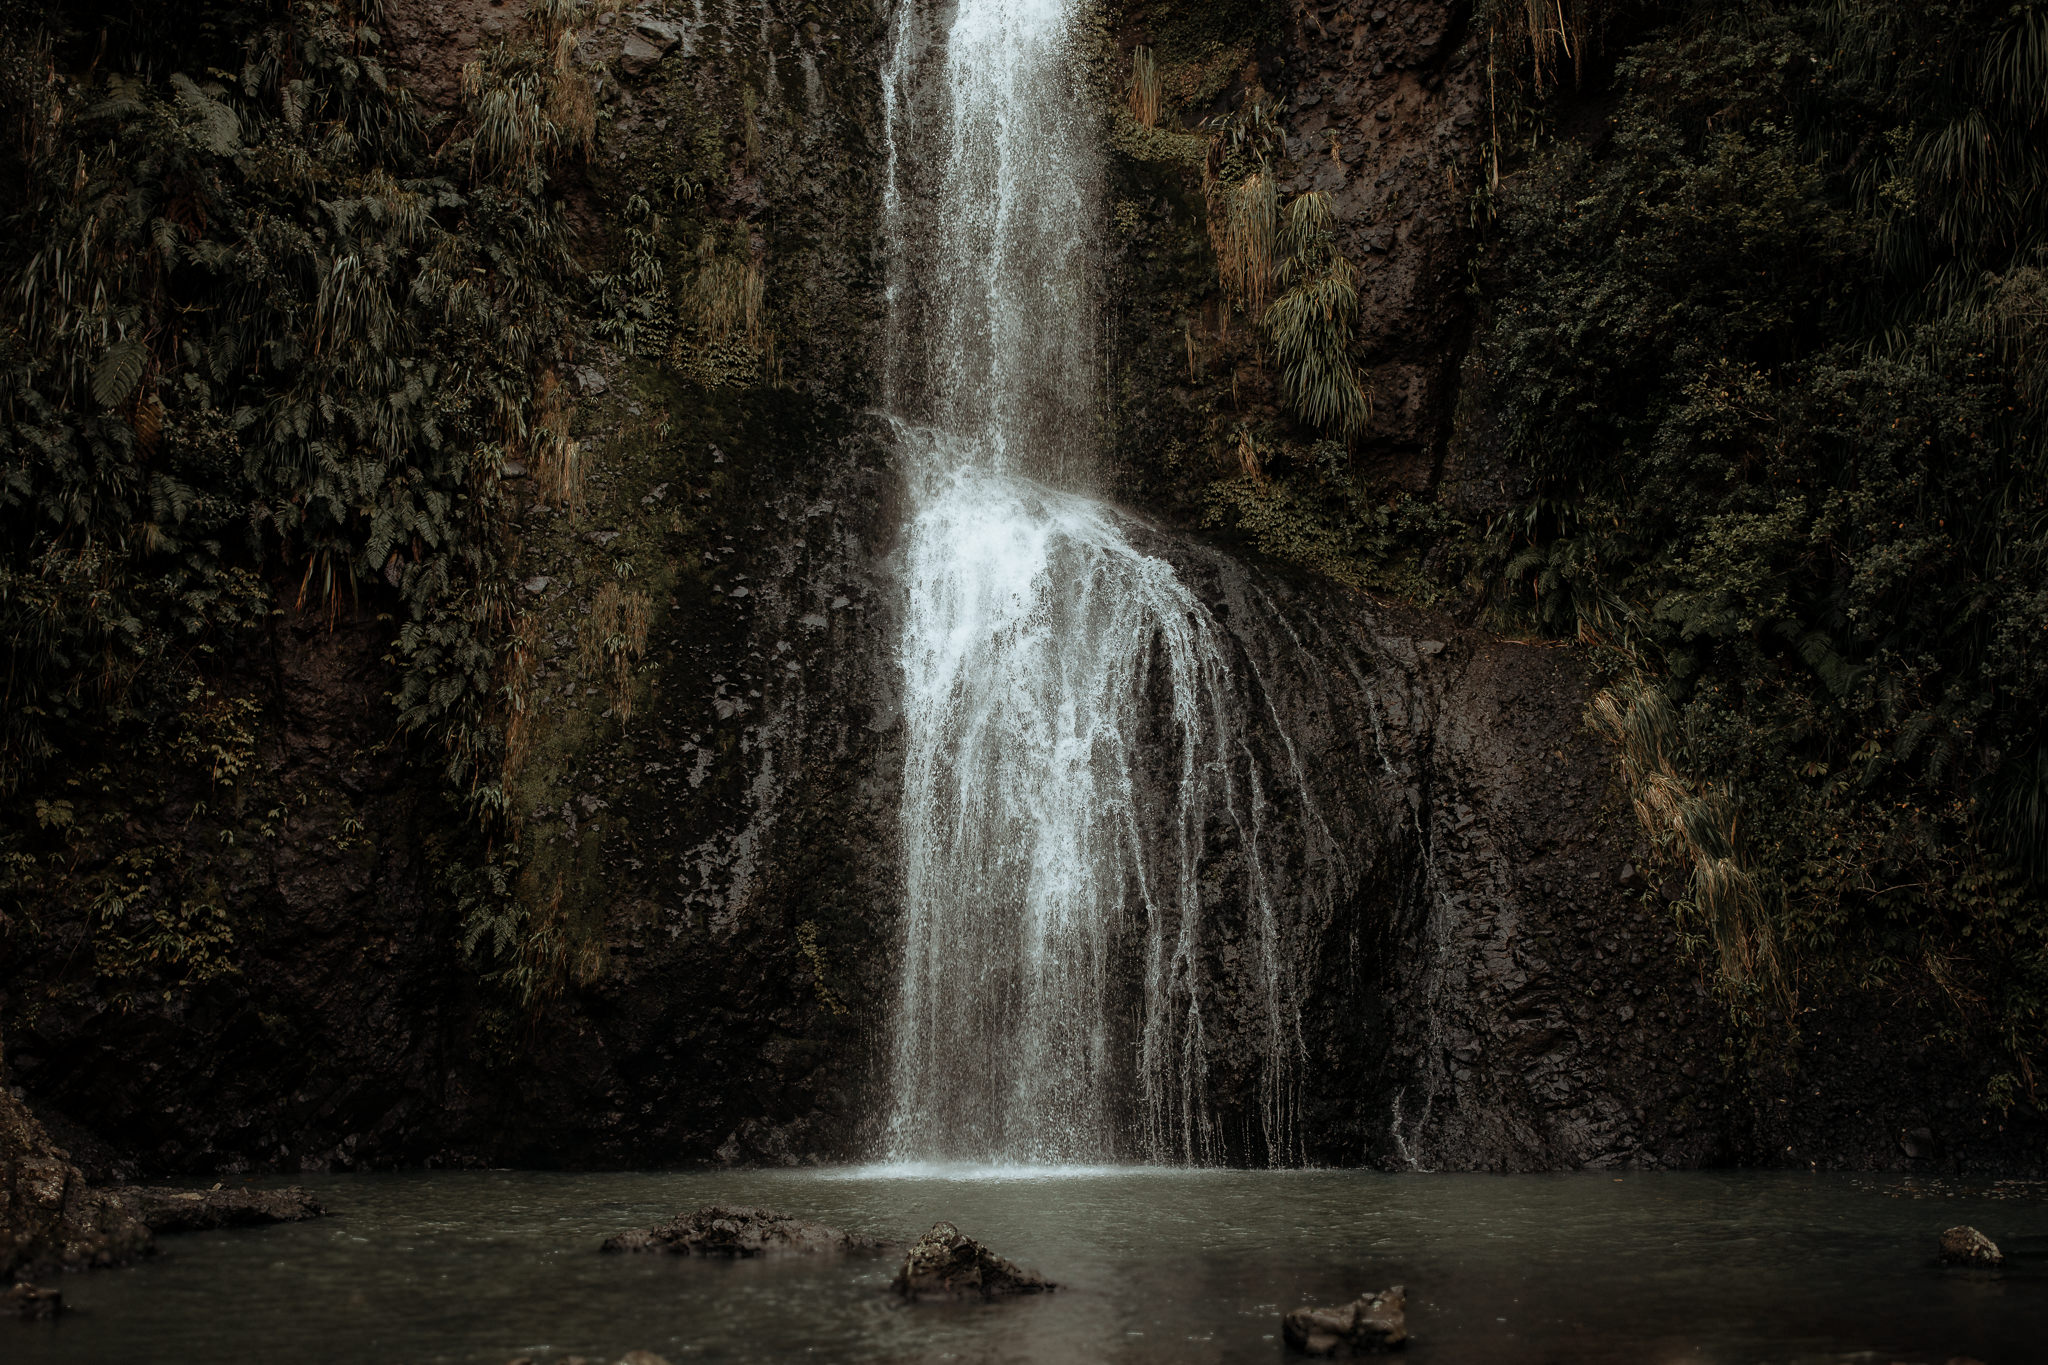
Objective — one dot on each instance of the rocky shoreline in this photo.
(53, 1219)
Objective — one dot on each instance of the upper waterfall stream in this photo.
(1071, 735)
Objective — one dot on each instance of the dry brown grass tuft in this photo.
(1698, 829)
(1144, 88)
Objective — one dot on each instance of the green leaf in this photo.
(119, 371)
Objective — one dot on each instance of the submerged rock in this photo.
(1368, 1324)
(1967, 1246)
(203, 1210)
(740, 1231)
(30, 1301)
(946, 1264)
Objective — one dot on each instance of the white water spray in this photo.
(1070, 737)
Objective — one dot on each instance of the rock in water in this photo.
(719, 1231)
(1370, 1323)
(945, 1264)
(204, 1210)
(50, 1218)
(28, 1301)
(1967, 1246)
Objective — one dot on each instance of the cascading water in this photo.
(1070, 735)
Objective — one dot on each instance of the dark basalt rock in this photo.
(29, 1301)
(1367, 1325)
(50, 1217)
(717, 1230)
(1967, 1246)
(203, 1210)
(946, 1264)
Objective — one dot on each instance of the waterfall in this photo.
(1071, 746)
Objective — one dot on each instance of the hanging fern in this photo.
(1313, 322)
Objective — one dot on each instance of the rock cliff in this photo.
(1490, 976)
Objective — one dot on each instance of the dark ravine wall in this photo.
(1495, 987)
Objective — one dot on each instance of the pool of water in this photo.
(1157, 1266)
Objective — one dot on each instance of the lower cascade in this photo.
(1073, 738)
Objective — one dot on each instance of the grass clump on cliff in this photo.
(1260, 247)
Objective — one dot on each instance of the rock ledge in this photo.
(203, 1210)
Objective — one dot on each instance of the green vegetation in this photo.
(265, 333)
(1260, 248)
(1762, 288)
(1770, 358)
(1312, 323)
(273, 346)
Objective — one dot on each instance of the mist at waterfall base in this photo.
(477, 1268)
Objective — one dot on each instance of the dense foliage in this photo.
(1756, 396)
(1769, 354)
(262, 333)
(274, 342)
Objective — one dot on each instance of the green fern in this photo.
(1313, 322)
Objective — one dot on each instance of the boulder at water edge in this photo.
(945, 1264)
(1967, 1246)
(717, 1230)
(1368, 1324)
(50, 1218)
(205, 1210)
(29, 1301)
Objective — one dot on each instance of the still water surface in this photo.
(1159, 1266)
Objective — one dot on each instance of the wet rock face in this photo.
(327, 1043)
(1491, 973)
(946, 1264)
(1475, 989)
(740, 1231)
(1480, 983)
(431, 39)
(1367, 1326)
(717, 863)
